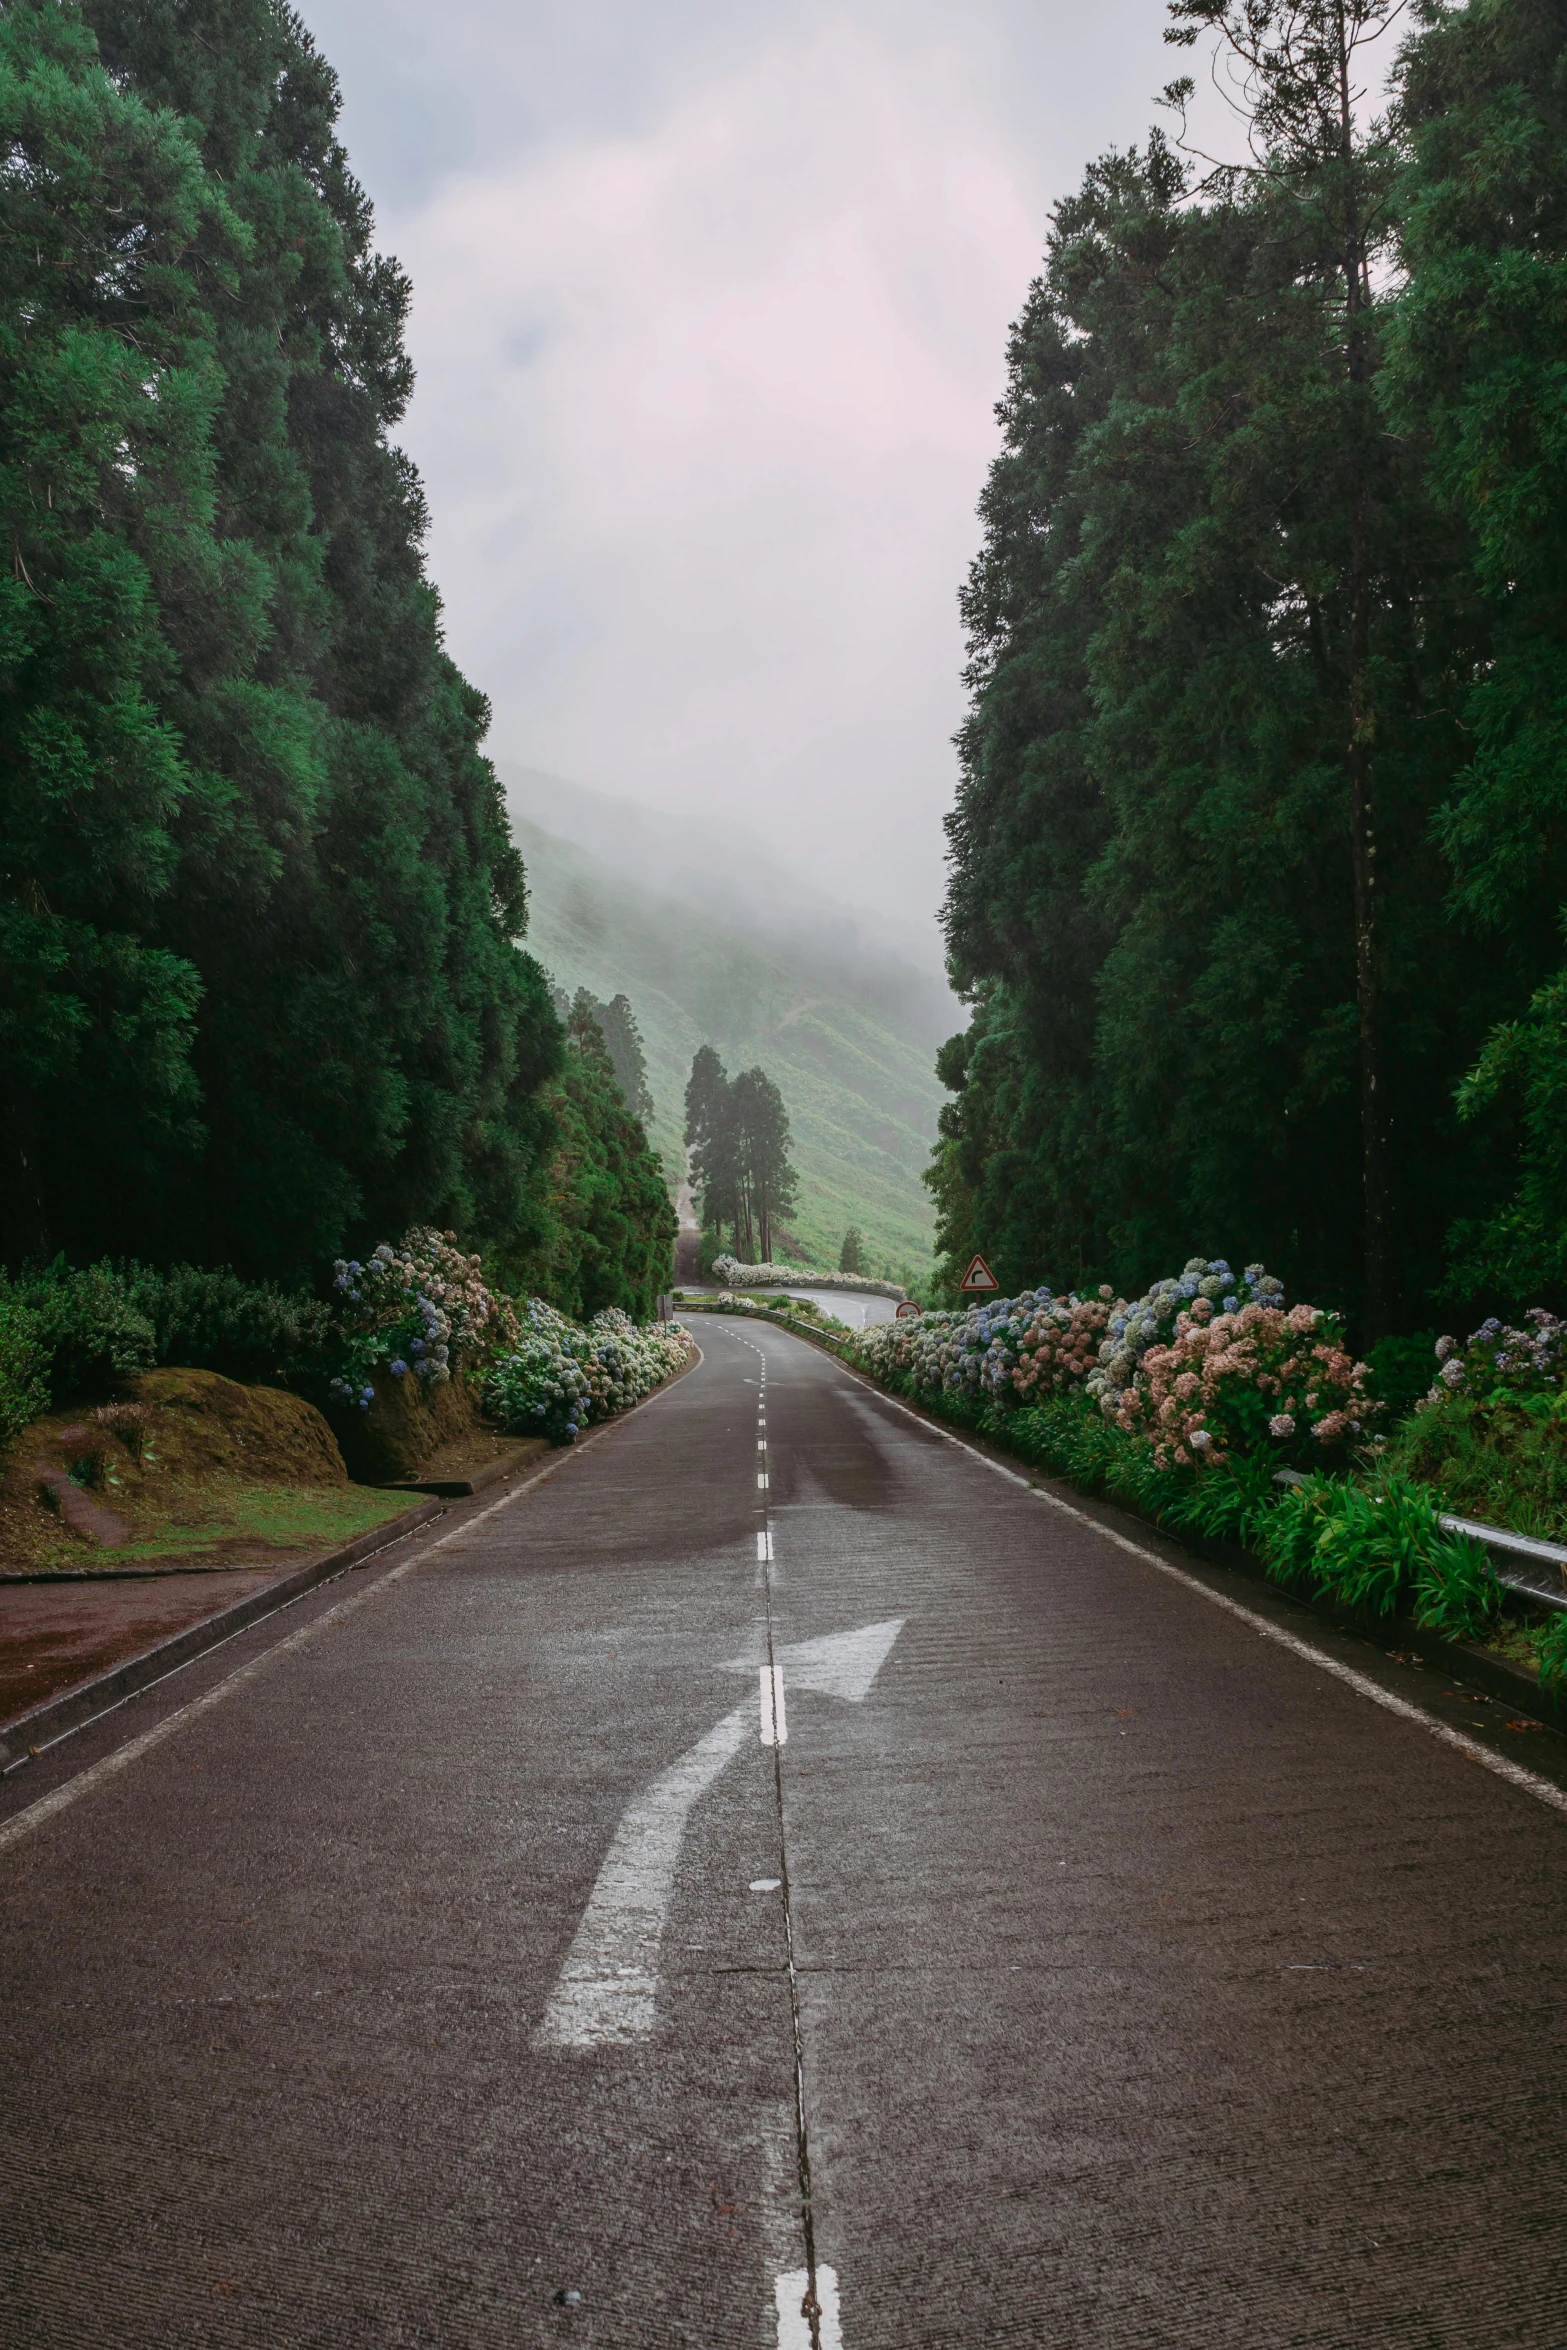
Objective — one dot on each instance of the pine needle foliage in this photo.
(262, 996)
(1224, 627)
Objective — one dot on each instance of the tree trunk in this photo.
(1368, 979)
(1377, 1311)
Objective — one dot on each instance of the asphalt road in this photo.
(1074, 1967)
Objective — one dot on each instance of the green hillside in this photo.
(862, 1098)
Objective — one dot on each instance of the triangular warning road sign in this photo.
(979, 1276)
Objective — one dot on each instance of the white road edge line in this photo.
(34, 1815)
(1528, 1782)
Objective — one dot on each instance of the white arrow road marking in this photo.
(607, 1989)
(842, 1664)
(775, 1731)
(608, 1985)
(794, 2327)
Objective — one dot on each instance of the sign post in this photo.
(979, 1279)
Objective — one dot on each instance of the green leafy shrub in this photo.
(91, 1326)
(24, 1366)
(99, 1323)
(1491, 1433)
(1456, 1592)
(209, 1319)
(1069, 1435)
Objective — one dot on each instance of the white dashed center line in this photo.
(775, 1730)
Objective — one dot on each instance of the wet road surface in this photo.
(780, 1881)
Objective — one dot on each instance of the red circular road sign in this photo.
(905, 1310)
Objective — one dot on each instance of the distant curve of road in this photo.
(779, 1882)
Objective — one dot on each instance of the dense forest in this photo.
(261, 994)
(1260, 850)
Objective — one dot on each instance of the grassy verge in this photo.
(222, 1524)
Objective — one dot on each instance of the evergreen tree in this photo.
(617, 1024)
(623, 1041)
(1318, 175)
(738, 1133)
(851, 1257)
(287, 1004)
(1476, 365)
(1154, 902)
(608, 1232)
(707, 1088)
(769, 1185)
(712, 1140)
(108, 384)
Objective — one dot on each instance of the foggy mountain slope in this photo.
(893, 964)
(862, 1096)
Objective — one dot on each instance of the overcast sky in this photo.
(710, 310)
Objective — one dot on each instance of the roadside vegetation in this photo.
(154, 1416)
(1186, 1404)
(264, 996)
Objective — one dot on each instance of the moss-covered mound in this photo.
(185, 1464)
(201, 1422)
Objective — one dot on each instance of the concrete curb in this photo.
(464, 1488)
(78, 1704)
(1515, 1685)
(74, 1706)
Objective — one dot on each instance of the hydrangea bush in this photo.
(734, 1275)
(1242, 1380)
(1206, 1364)
(1504, 1365)
(421, 1310)
(559, 1377)
(1008, 1350)
(1150, 1320)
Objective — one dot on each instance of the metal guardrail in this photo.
(1497, 1538)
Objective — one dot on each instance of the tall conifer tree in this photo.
(326, 932)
